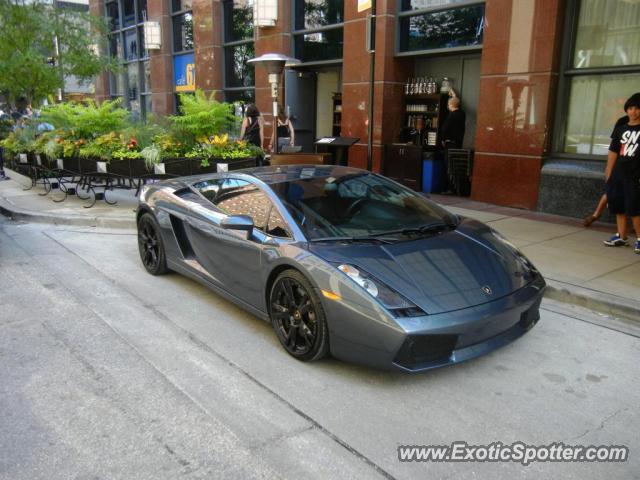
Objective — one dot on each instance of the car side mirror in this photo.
(237, 222)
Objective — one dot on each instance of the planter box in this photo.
(71, 165)
(222, 165)
(139, 168)
(86, 165)
(193, 166)
(120, 167)
(177, 166)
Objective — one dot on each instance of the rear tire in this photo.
(297, 317)
(150, 245)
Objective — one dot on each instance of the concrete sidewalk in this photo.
(578, 268)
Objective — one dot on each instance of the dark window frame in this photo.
(566, 74)
(175, 52)
(299, 32)
(226, 45)
(142, 55)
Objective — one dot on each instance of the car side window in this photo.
(239, 197)
(209, 188)
(276, 226)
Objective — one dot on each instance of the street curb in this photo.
(10, 210)
(605, 303)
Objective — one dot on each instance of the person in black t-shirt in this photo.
(624, 154)
(612, 183)
(252, 129)
(453, 127)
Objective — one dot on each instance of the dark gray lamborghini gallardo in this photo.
(343, 261)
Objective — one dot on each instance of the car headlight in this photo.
(388, 297)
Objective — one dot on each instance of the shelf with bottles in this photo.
(429, 108)
(337, 114)
(427, 86)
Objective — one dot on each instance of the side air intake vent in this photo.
(186, 193)
(181, 237)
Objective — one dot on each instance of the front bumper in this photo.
(431, 341)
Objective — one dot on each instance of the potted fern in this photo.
(204, 126)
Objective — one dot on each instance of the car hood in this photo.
(440, 273)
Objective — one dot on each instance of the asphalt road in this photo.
(107, 372)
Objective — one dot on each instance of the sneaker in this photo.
(636, 248)
(616, 241)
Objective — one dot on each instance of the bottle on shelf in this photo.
(446, 85)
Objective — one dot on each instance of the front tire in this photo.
(150, 245)
(297, 317)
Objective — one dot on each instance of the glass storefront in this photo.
(589, 124)
(604, 66)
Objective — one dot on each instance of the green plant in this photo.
(202, 116)
(21, 140)
(221, 147)
(6, 127)
(87, 121)
(52, 148)
(170, 146)
(143, 133)
(152, 155)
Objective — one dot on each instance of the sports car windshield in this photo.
(359, 206)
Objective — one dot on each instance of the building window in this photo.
(113, 17)
(239, 79)
(131, 44)
(182, 32)
(128, 13)
(183, 58)
(238, 20)
(603, 66)
(312, 14)
(180, 5)
(432, 28)
(318, 35)
(126, 44)
(423, 4)
(142, 10)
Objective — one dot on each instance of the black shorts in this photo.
(623, 197)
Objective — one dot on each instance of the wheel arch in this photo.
(272, 278)
(142, 209)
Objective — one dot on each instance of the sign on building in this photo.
(184, 73)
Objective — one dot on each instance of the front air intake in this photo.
(418, 350)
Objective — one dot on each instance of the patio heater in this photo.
(274, 63)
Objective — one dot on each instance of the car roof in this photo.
(286, 173)
(269, 175)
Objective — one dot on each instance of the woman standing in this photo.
(286, 133)
(252, 129)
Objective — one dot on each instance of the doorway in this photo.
(309, 102)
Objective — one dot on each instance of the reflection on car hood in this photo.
(440, 273)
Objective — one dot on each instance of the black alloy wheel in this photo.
(297, 317)
(150, 245)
